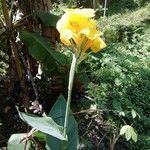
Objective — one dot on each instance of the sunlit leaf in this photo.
(133, 135)
(128, 134)
(133, 112)
(16, 142)
(43, 124)
(123, 129)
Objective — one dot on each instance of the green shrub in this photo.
(123, 6)
(121, 79)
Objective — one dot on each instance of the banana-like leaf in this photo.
(58, 114)
(44, 124)
(41, 50)
(48, 19)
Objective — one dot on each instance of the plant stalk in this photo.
(70, 86)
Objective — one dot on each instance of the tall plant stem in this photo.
(70, 86)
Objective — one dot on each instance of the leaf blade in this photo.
(15, 142)
(58, 114)
(47, 18)
(45, 125)
(41, 49)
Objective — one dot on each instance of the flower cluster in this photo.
(78, 29)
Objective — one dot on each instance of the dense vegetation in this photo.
(112, 87)
(121, 73)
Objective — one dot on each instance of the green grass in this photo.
(135, 18)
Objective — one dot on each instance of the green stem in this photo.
(70, 86)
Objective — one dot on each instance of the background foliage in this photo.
(121, 76)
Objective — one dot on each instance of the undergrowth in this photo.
(121, 74)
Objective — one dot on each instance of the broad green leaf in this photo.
(58, 114)
(16, 142)
(129, 132)
(41, 50)
(47, 18)
(133, 135)
(123, 129)
(44, 124)
(133, 112)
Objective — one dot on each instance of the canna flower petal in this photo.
(85, 12)
(97, 45)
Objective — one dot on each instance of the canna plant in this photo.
(78, 31)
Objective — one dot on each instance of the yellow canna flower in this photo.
(78, 28)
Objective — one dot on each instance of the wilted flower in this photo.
(78, 29)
